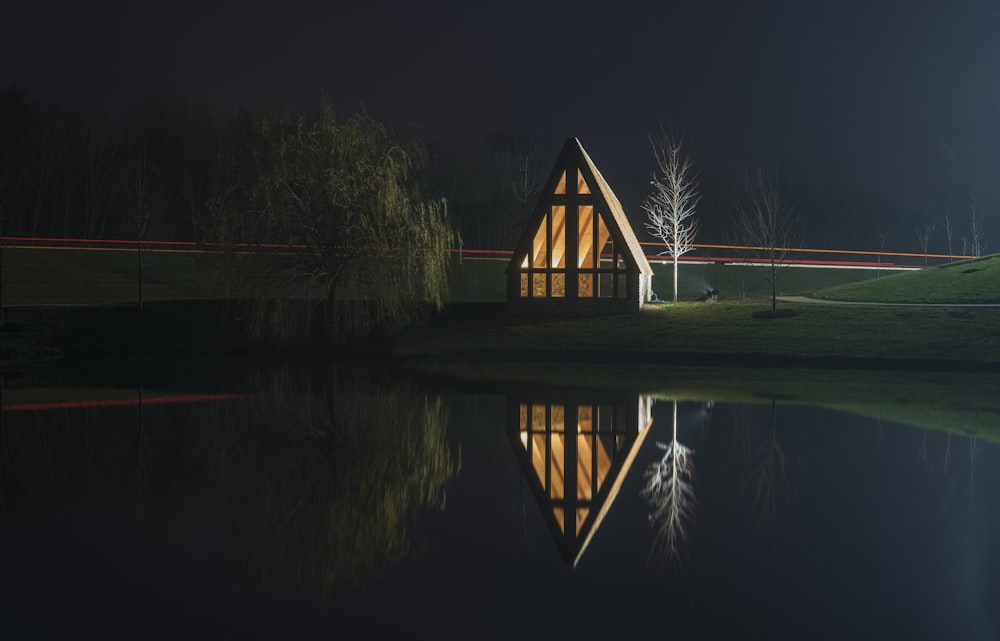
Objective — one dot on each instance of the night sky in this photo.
(892, 100)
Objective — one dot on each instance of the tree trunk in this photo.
(1, 277)
(140, 273)
(774, 289)
(675, 278)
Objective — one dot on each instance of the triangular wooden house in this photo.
(578, 253)
(575, 450)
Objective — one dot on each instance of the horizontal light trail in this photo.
(123, 402)
(192, 247)
(808, 250)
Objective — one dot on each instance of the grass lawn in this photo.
(89, 277)
(79, 276)
(730, 331)
(966, 281)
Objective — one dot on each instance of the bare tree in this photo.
(767, 223)
(976, 241)
(924, 238)
(881, 248)
(669, 491)
(949, 232)
(771, 479)
(5, 173)
(675, 196)
(513, 168)
(137, 179)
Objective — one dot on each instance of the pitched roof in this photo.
(615, 207)
(573, 154)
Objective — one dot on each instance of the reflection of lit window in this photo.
(576, 457)
(546, 440)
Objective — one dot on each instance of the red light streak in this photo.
(123, 402)
(187, 246)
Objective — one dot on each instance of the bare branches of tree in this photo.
(767, 223)
(671, 207)
(771, 479)
(924, 238)
(949, 232)
(976, 241)
(136, 182)
(881, 249)
(669, 492)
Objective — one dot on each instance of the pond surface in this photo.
(302, 503)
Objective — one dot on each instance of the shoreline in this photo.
(483, 333)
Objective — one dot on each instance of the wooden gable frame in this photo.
(578, 253)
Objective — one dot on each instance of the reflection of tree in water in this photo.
(331, 475)
(770, 480)
(669, 491)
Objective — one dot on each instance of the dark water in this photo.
(346, 504)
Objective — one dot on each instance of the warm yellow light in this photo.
(561, 187)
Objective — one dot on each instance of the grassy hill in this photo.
(967, 281)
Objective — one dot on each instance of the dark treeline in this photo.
(68, 169)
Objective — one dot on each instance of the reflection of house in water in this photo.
(578, 253)
(575, 449)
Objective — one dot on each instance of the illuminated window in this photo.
(539, 286)
(557, 248)
(561, 187)
(586, 251)
(558, 284)
(538, 246)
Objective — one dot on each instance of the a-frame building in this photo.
(578, 253)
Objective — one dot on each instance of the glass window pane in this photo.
(605, 285)
(538, 285)
(605, 243)
(561, 187)
(524, 284)
(585, 253)
(557, 248)
(558, 284)
(584, 414)
(537, 418)
(538, 247)
(558, 418)
(586, 285)
(581, 184)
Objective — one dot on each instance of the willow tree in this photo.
(326, 226)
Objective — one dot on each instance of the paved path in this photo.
(820, 301)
